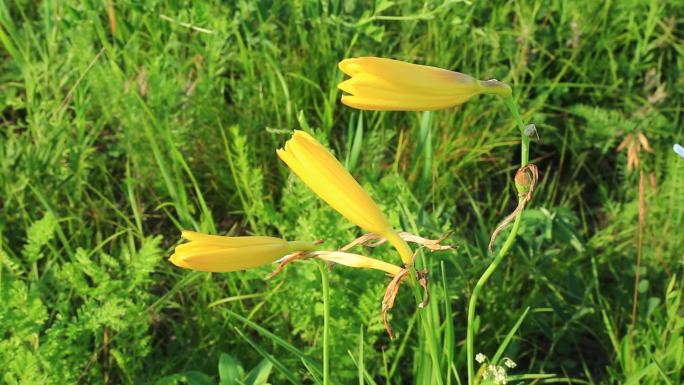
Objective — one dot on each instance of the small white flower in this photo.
(480, 358)
(496, 373)
(509, 363)
(486, 374)
(679, 150)
(500, 375)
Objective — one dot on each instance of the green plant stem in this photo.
(470, 337)
(525, 140)
(426, 319)
(301, 246)
(428, 324)
(325, 284)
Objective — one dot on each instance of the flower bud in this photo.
(393, 85)
(326, 177)
(215, 253)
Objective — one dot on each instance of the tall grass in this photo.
(122, 126)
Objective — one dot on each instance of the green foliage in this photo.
(38, 235)
(87, 310)
(230, 372)
(113, 140)
(653, 355)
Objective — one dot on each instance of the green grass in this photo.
(113, 141)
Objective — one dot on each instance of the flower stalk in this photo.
(524, 160)
(325, 286)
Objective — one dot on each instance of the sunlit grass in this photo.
(112, 141)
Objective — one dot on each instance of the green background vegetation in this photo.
(112, 140)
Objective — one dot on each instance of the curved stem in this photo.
(400, 244)
(524, 159)
(470, 338)
(326, 317)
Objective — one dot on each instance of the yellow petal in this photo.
(399, 105)
(392, 92)
(349, 67)
(386, 84)
(178, 261)
(319, 170)
(215, 253)
(226, 260)
(358, 261)
(434, 82)
(328, 179)
(227, 241)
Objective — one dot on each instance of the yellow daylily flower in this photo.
(219, 254)
(326, 177)
(393, 85)
(358, 261)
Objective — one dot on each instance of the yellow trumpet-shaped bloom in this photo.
(220, 254)
(324, 174)
(393, 85)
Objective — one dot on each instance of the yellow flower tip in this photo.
(386, 84)
(346, 86)
(328, 179)
(214, 253)
(187, 234)
(349, 67)
(178, 261)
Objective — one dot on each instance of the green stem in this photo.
(426, 318)
(525, 140)
(301, 246)
(470, 337)
(429, 328)
(326, 317)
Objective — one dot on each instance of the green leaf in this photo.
(259, 375)
(509, 336)
(653, 303)
(383, 5)
(315, 365)
(278, 364)
(38, 235)
(194, 377)
(357, 144)
(229, 370)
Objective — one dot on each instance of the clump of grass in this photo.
(170, 122)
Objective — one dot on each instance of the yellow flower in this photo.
(324, 174)
(393, 85)
(220, 254)
(358, 261)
